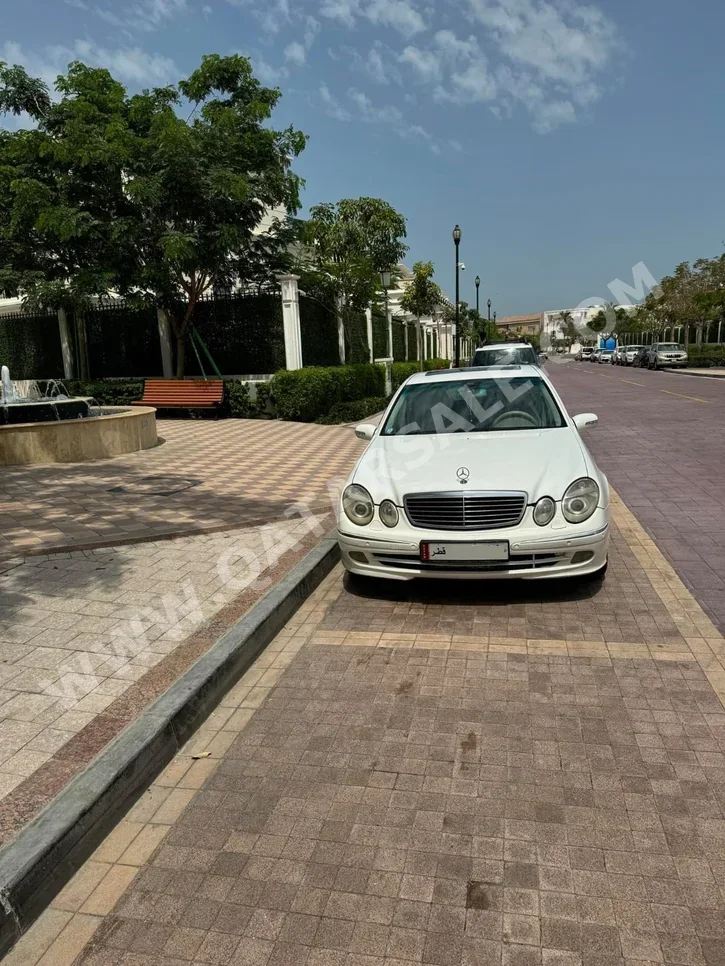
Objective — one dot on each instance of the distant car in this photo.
(640, 357)
(505, 354)
(585, 353)
(605, 355)
(626, 354)
(594, 357)
(666, 355)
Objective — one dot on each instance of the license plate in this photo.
(489, 550)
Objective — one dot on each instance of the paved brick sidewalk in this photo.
(378, 793)
(661, 443)
(206, 475)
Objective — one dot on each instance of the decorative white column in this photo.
(167, 355)
(291, 320)
(405, 326)
(369, 324)
(66, 345)
(389, 315)
(340, 330)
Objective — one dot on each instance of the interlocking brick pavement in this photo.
(206, 475)
(660, 441)
(380, 797)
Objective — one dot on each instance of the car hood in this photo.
(539, 463)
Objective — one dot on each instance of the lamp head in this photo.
(478, 280)
(457, 233)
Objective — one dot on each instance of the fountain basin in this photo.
(74, 440)
(43, 411)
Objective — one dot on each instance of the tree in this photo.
(599, 322)
(126, 193)
(348, 245)
(569, 330)
(422, 297)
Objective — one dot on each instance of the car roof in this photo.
(524, 371)
(505, 345)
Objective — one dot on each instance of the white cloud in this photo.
(267, 74)
(295, 53)
(150, 14)
(388, 114)
(426, 64)
(379, 64)
(401, 15)
(132, 65)
(273, 15)
(332, 106)
(455, 145)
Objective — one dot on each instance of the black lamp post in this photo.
(457, 241)
(489, 310)
(478, 286)
(494, 318)
(385, 282)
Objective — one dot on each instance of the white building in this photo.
(580, 316)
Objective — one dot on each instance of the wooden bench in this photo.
(182, 394)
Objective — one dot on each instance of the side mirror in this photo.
(365, 431)
(585, 421)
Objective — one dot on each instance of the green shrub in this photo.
(236, 400)
(107, 392)
(306, 394)
(351, 412)
(706, 356)
(263, 399)
(403, 371)
(430, 364)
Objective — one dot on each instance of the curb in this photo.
(697, 375)
(36, 865)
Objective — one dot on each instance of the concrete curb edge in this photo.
(45, 855)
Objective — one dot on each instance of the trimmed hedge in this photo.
(352, 412)
(107, 392)
(706, 356)
(306, 394)
(404, 370)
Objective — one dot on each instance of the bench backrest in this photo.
(181, 392)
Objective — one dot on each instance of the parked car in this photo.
(585, 353)
(605, 355)
(626, 354)
(640, 357)
(669, 355)
(505, 354)
(594, 357)
(505, 488)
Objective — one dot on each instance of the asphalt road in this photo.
(661, 442)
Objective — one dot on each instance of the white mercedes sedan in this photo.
(476, 473)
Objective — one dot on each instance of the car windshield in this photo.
(633, 348)
(508, 356)
(473, 406)
(669, 347)
(607, 352)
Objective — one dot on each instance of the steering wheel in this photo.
(513, 420)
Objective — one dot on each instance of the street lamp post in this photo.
(457, 242)
(494, 318)
(478, 286)
(385, 282)
(489, 310)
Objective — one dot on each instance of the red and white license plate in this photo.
(484, 550)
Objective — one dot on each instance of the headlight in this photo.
(544, 511)
(358, 505)
(389, 513)
(580, 500)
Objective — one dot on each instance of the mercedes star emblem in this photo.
(463, 474)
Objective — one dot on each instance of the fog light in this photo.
(581, 556)
(358, 557)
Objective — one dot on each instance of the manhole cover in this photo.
(156, 486)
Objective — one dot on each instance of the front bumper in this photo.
(672, 363)
(535, 552)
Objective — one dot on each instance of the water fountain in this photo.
(50, 426)
(29, 406)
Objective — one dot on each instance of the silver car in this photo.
(666, 355)
(627, 353)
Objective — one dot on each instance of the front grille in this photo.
(465, 511)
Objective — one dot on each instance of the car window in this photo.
(669, 347)
(475, 406)
(510, 356)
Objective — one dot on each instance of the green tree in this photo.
(422, 298)
(569, 331)
(599, 322)
(128, 193)
(347, 246)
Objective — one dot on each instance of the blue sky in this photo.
(571, 140)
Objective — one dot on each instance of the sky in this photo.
(571, 140)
